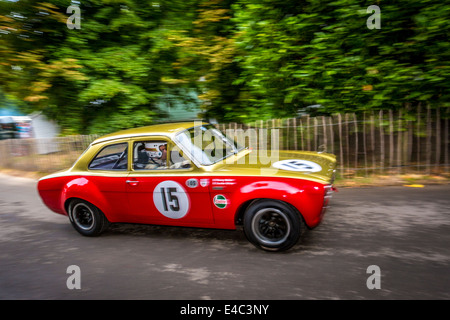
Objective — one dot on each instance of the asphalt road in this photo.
(405, 232)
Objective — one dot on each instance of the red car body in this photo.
(124, 203)
(216, 196)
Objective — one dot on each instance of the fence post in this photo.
(308, 128)
(331, 133)
(341, 151)
(295, 133)
(391, 138)
(356, 142)
(438, 138)
(347, 143)
(446, 146)
(364, 143)
(428, 140)
(409, 139)
(382, 150)
(302, 145)
(325, 140)
(419, 113)
(399, 142)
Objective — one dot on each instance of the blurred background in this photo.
(318, 71)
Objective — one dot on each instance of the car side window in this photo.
(112, 157)
(157, 155)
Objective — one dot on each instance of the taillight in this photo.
(328, 194)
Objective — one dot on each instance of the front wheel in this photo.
(86, 218)
(272, 225)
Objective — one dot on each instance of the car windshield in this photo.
(206, 144)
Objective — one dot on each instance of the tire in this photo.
(272, 225)
(86, 218)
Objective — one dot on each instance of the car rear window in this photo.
(112, 157)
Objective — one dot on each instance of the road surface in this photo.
(374, 243)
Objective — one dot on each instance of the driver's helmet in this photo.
(153, 150)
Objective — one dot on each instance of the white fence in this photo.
(383, 142)
(42, 155)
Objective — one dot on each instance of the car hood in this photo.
(308, 165)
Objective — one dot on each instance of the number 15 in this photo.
(171, 200)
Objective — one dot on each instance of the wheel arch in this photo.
(83, 189)
(90, 222)
(303, 196)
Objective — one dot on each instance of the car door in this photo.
(163, 187)
(108, 171)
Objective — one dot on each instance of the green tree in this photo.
(103, 77)
(296, 54)
(208, 59)
(247, 59)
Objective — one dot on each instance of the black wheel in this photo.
(86, 218)
(272, 225)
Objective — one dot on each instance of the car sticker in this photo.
(220, 201)
(223, 182)
(192, 183)
(204, 182)
(298, 165)
(171, 199)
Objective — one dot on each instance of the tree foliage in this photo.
(108, 75)
(247, 59)
(322, 53)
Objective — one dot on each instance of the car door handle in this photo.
(132, 182)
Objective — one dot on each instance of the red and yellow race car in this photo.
(191, 174)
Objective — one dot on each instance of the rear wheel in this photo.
(86, 218)
(272, 225)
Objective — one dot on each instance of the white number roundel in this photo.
(298, 165)
(171, 199)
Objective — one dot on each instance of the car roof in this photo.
(166, 129)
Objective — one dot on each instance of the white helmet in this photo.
(152, 149)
